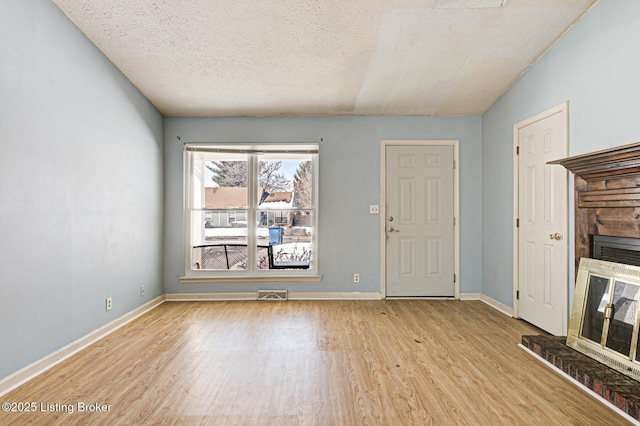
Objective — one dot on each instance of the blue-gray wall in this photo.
(349, 237)
(80, 186)
(594, 67)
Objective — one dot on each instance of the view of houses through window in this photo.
(251, 211)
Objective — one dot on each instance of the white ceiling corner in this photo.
(326, 57)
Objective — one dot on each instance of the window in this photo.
(250, 210)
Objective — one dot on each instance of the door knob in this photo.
(555, 236)
(391, 229)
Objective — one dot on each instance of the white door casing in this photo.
(419, 230)
(541, 272)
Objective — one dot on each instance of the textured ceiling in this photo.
(323, 57)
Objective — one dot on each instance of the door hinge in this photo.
(454, 164)
(454, 278)
(454, 221)
(518, 150)
(517, 223)
(517, 294)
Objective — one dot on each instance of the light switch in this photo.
(374, 209)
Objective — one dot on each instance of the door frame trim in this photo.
(563, 109)
(456, 205)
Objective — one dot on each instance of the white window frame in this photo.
(253, 151)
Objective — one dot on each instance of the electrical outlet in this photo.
(141, 291)
(356, 278)
(109, 303)
(374, 209)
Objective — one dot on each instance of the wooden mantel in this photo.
(607, 195)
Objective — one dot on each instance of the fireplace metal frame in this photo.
(615, 273)
(607, 203)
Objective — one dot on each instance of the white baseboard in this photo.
(470, 296)
(7, 384)
(335, 296)
(184, 297)
(497, 305)
(209, 297)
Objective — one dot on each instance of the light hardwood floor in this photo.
(393, 362)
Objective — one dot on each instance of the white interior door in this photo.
(419, 221)
(542, 207)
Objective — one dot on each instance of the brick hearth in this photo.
(615, 387)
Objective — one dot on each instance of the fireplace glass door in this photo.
(596, 302)
(623, 321)
(610, 318)
(604, 320)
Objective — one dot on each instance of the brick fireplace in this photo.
(607, 213)
(607, 195)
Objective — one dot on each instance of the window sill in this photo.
(249, 278)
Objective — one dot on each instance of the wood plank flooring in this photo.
(390, 362)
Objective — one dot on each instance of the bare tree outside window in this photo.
(228, 174)
(270, 179)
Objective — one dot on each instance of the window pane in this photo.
(225, 181)
(285, 181)
(289, 245)
(219, 241)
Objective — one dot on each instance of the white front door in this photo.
(542, 232)
(419, 192)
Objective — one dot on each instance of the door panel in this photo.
(406, 197)
(434, 256)
(433, 198)
(407, 257)
(420, 232)
(542, 206)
